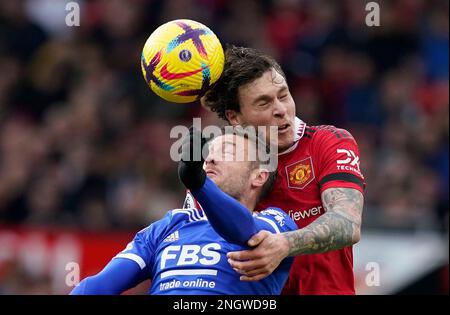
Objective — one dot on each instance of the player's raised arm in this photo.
(231, 217)
(231, 220)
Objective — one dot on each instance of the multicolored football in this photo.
(181, 60)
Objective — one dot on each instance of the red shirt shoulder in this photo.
(337, 156)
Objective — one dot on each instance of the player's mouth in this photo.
(210, 172)
(283, 128)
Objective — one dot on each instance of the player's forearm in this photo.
(229, 218)
(339, 227)
(329, 232)
(94, 286)
(118, 276)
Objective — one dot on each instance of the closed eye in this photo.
(263, 100)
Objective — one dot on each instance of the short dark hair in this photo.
(242, 66)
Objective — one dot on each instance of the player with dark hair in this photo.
(319, 183)
(185, 252)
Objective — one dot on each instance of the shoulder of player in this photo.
(186, 215)
(326, 132)
(271, 211)
(327, 136)
(175, 218)
(276, 215)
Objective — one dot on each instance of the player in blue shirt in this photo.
(185, 252)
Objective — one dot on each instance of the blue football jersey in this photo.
(182, 254)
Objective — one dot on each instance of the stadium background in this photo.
(84, 144)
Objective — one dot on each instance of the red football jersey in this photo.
(322, 157)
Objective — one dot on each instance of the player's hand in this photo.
(190, 167)
(259, 262)
(192, 147)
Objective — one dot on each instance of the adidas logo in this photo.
(175, 236)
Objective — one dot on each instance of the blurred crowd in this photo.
(85, 143)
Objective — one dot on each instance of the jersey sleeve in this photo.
(274, 220)
(118, 276)
(228, 217)
(233, 221)
(337, 154)
(142, 248)
(130, 267)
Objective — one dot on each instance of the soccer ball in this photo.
(181, 60)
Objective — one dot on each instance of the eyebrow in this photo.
(283, 88)
(265, 97)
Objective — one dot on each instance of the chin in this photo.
(214, 179)
(285, 142)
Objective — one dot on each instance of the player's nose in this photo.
(210, 159)
(280, 109)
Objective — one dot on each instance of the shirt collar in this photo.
(299, 127)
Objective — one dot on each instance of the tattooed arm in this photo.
(339, 227)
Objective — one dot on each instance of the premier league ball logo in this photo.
(185, 55)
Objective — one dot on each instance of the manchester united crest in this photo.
(300, 174)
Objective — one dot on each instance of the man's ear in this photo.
(260, 177)
(203, 103)
(233, 117)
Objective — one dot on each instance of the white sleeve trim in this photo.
(275, 227)
(137, 259)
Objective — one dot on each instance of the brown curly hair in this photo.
(242, 66)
